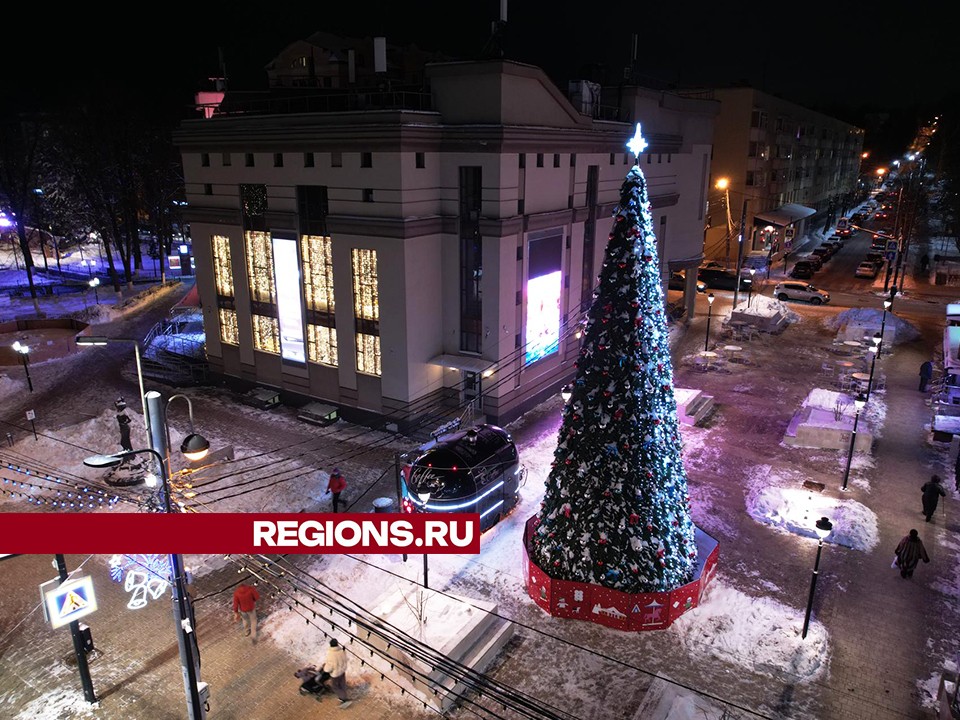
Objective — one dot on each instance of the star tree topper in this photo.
(637, 144)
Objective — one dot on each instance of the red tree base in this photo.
(613, 608)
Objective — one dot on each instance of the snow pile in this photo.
(765, 307)
(56, 704)
(903, 331)
(759, 634)
(782, 502)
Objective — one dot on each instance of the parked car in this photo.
(716, 278)
(881, 215)
(814, 260)
(876, 258)
(678, 281)
(836, 240)
(802, 271)
(867, 269)
(835, 246)
(800, 291)
(857, 218)
(824, 253)
(878, 245)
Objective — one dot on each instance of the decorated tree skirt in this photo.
(613, 608)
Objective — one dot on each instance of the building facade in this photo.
(794, 168)
(403, 263)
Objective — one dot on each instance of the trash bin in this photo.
(383, 505)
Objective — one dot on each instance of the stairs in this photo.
(465, 630)
(693, 406)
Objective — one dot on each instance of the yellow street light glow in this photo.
(723, 183)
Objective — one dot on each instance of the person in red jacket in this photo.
(336, 485)
(245, 599)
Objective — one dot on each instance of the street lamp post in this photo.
(194, 446)
(858, 404)
(823, 528)
(24, 351)
(95, 283)
(875, 350)
(887, 305)
(101, 340)
(710, 299)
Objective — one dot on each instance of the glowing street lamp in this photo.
(194, 446)
(95, 283)
(710, 299)
(24, 351)
(858, 404)
(875, 349)
(823, 528)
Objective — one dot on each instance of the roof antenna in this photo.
(495, 45)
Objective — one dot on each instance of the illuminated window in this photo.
(260, 266)
(366, 310)
(228, 326)
(317, 267)
(266, 334)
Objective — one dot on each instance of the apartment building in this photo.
(401, 254)
(794, 167)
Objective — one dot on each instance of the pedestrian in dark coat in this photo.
(924, 263)
(926, 373)
(932, 492)
(336, 485)
(956, 473)
(910, 552)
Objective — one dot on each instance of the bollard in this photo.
(383, 505)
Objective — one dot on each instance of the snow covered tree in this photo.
(616, 511)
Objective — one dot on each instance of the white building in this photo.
(404, 254)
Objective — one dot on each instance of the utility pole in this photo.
(740, 239)
(182, 604)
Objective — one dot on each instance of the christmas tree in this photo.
(616, 511)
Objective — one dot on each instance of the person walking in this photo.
(910, 552)
(926, 373)
(335, 665)
(336, 485)
(924, 263)
(932, 492)
(245, 599)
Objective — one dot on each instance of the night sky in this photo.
(842, 60)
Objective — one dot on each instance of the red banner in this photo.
(240, 533)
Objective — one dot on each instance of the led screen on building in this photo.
(286, 269)
(544, 287)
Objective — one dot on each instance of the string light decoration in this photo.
(366, 310)
(316, 252)
(266, 334)
(222, 266)
(229, 329)
(260, 267)
(223, 280)
(145, 576)
(616, 510)
(72, 497)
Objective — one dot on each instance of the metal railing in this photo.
(347, 102)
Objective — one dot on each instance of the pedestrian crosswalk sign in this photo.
(70, 601)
